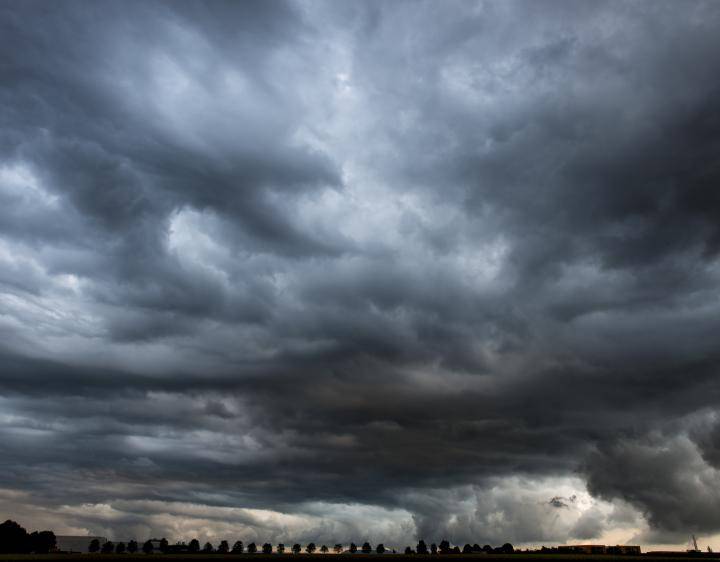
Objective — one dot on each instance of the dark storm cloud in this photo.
(410, 258)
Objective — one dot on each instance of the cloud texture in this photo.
(336, 270)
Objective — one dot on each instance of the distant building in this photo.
(76, 543)
(582, 549)
(598, 549)
(624, 549)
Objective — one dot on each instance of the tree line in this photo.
(14, 539)
(239, 548)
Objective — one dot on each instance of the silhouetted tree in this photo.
(455, 550)
(408, 551)
(338, 548)
(366, 548)
(120, 548)
(13, 538)
(310, 548)
(163, 545)
(94, 545)
(238, 547)
(252, 548)
(487, 548)
(280, 548)
(107, 548)
(132, 546)
(422, 547)
(467, 549)
(267, 548)
(352, 548)
(296, 548)
(444, 547)
(223, 547)
(41, 542)
(194, 546)
(324, 549)
(208, 548)
(148, 547)
(476, 548)
(433, 548)
(380, 549)
(507, 548)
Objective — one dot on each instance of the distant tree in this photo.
(238, 547)
(223, 547)
(252, 548)
(476, 548)
(324, 549)
(455, 550)
(366, 548)
(267, 548)
(444, 547)
(422, 547)
(487, 548)
(120, 548)
(132, 546)
(14, 538)
(352, 548)
(41, 542)
(108, 548)
(148, 547)
(433, 548)
(380, 549)
(467, 549)
(280, 548)
(163, 545)
(310, 548)
(408, 551)
(338, 548)
(208, 548)
(94, 546)
(507, 548)
(194, 546)
(296, 548)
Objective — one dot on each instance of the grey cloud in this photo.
(379, 255)
(663, 475)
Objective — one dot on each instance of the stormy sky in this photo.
(333, 270)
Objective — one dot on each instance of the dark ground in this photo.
(519, 557)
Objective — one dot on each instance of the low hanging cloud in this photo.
(394, 270)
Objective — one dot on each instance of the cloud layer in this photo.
(384, 269)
